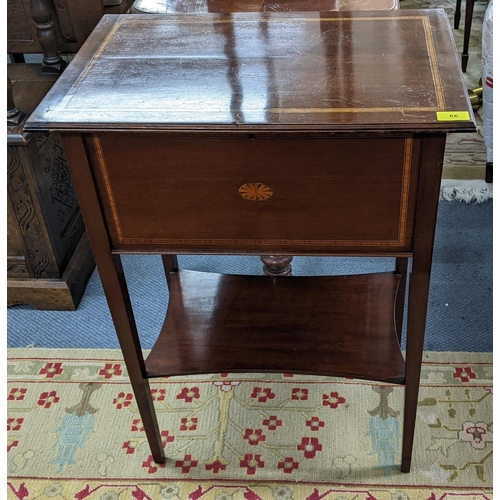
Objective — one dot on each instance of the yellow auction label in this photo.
(452, 116)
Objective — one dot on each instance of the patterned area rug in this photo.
(74, 432)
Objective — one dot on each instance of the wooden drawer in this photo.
(252, 192)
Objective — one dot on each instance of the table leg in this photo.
(425, 223)
(128, 337)
(469, 11)
(402, 269)
(456, 21)
(115, 288)
(417, 305)
(488, 175)
(277, 265)
(170, 265)
(17, 58)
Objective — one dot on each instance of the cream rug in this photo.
(74, 432)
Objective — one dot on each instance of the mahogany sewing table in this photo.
(275, 135)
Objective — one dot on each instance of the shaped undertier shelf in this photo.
(336, 325)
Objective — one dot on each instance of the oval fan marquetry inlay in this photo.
(255, 191)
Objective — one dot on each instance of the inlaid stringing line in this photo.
(404, 189)
(243, 242)
(431, 50)
(394, 109)
(104, 171)
(436, 80)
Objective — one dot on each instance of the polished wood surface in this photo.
(223, 323)
(332, 71)
(268, 134)
(224, 6)
(206, 210)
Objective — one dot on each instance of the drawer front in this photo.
(254, 192)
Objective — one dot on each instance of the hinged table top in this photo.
(332, 71)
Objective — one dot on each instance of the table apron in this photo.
(252, 194)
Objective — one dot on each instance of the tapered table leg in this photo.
(425, 224)
(456, 20)
(115, 288)
(469, 11)
(129, 341)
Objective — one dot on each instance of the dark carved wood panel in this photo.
(41, 261)
(57, 194)
(49, 258)
(17, 268)
(16, 261)
(68, 22)
(39, 139)
(18, 21)
(54, 294)
(15, 245)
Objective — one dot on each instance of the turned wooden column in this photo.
(277, 265)
(46, 33)
(14, 114)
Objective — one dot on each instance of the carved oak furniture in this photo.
(51, 27)
(267, 134)
(48, 253)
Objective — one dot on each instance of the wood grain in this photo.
(307, 176)
(224, 323)
(322, 71)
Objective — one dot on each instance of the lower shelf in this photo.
(336, 326)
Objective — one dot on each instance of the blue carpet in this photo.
(460, 303)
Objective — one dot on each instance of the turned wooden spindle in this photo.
(14, 114)
(277, 265)
(46, 34)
